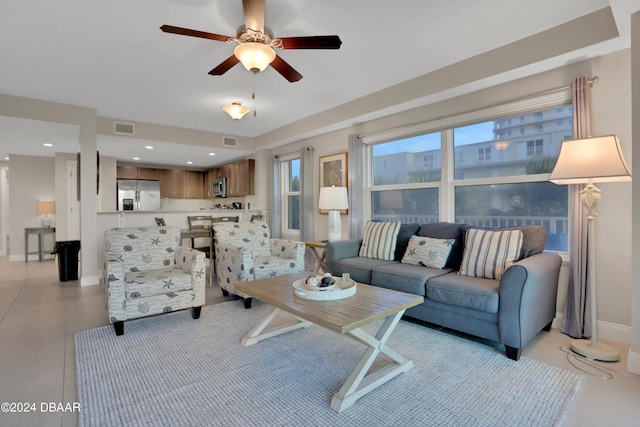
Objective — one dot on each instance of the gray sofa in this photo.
(510, 311)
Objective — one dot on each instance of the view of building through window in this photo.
(486, 159)
(291, 199)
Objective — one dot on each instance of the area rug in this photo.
(172, 370)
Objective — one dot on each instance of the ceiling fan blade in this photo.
(287, 71)
(193, 33)
(254, 14)
(311, 42)
(225, 66)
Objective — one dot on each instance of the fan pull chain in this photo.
(253, 96)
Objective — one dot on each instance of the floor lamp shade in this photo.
(334, 199)
(590, 160)
(45, 208)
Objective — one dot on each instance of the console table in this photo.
(40, 231)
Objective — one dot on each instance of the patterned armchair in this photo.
(147, 272)
(245, 251)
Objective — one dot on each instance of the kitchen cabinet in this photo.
(181, 184)
(194, 185)
(132, 172)
(240, 178)
(173, 183)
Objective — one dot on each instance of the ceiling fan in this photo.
(256, 43)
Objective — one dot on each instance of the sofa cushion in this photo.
(428, 252)
(404, 277)
(406, 232)
(534, 238)
(447, 230)
(379, 241)
(488, 253)
(143, 284)
(358, 267)
(464, 291)
(272, 266)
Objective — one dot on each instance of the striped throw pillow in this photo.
(488, 253)
(379, 240)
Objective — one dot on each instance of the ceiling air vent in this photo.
(123, 128)
(228, 141)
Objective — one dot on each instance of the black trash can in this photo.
(67, 252)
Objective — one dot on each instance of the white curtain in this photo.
(306, 194)
(276, 196)
(577, 322)
(356, 159)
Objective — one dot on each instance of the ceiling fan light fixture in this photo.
(254, 56)
(236, 110)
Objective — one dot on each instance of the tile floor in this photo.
(39, 315)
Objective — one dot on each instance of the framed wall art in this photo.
(333, 171)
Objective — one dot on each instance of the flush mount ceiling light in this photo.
(236, 110)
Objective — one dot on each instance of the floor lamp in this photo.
(334, 199)
(587, 161)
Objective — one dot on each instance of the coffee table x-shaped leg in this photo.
(359, 382)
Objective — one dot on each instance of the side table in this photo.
(40, 231)
(318, 260)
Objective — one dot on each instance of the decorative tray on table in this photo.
(337, 290)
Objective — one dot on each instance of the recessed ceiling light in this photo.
(136, 158)
(149, 147)
(48, 144)
(6, 158)
(189, 163)
(212, 154)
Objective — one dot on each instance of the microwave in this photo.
(219, 187)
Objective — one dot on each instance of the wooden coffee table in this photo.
(345, 316)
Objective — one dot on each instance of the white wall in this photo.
(32, 180)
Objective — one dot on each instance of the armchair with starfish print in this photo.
(147, 272)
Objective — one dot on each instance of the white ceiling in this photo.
(112, 56)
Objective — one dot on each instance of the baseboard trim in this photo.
(633, 362)
(32, 257)
(89, 280)
(606, 330)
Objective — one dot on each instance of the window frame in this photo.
(448, 183)
(285, 171)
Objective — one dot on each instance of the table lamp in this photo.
(590, 160)
(46, 208)
(334, 199)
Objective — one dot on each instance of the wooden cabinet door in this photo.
(194, 185)
(179, 184)
(148, 173)
(166, 183)
(126, 172)
(245, 177)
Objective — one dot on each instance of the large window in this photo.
(290, 169)
(496, 174)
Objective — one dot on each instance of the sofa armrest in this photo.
(341, 249)
(114, 287)
(528, 294)
(192, 262)
(288, 249)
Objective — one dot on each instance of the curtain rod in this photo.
(591, 82)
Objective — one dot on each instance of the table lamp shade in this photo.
(334, 199)
(597, 159)
(45, 208)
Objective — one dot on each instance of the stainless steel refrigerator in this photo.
(138, 195)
